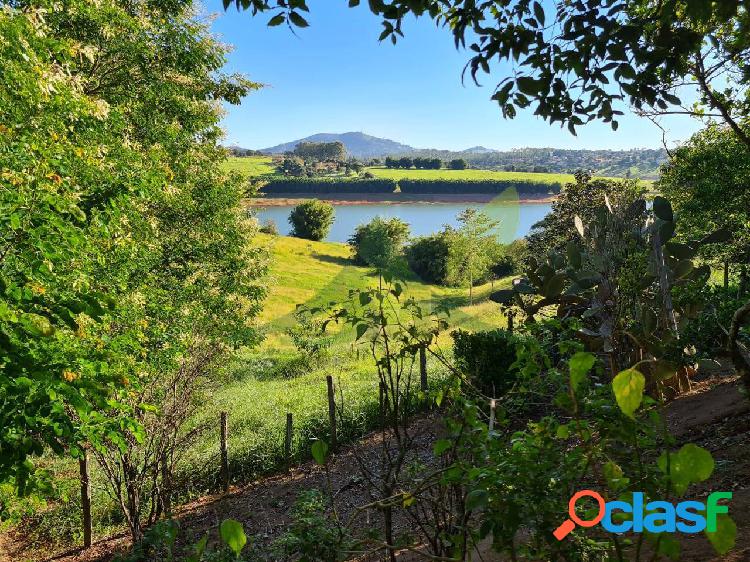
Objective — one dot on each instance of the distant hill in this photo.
(358, 145)
(641, 163)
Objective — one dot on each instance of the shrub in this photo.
(292, 166)
(477, 186)
(379, 242)
(428, 256)
(312, 219)
(458, 164)
(509, 260)
(486, 358)
(269, 227)
(328, 185)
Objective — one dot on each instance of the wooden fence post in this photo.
(492, 414)
(166, 485)
(288, 439)
(83, 464)
(224, 454)
(423, 369)
(331, 410)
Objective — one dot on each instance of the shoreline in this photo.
(341, 199)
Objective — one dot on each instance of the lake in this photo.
(515, 218)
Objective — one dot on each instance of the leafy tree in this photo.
(125, 254)
(510, 259)
(458, 164)
(380, 242)
(292, 166)
(569, 55)
(707, 182)
(405, 162)
(471, 250)
(311, 219)
(582, 199)
(428, 256)
(321, 151)
(391, 162)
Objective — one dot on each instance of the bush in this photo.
(510, 259)
(269, 227)
(328, 185)
(458, 164)
(486, 358)
(379, 242)
(311, 220)
(292, 166)
(428, 257)
(477, 186)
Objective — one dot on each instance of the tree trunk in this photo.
(726, 274)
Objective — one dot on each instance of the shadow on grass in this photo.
(337, 260)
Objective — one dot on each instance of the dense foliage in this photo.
(380, 242)
(125, 257)
(707, 182)
(334, 151)
(582, 198)
(487, 359)
(276, 186)
(528, 187)
(428, 256)
(311, 219)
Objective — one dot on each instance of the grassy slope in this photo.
(470, 174)
(250, 166)
(257, 397)
(253, 166)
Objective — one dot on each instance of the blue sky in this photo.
(335, 76)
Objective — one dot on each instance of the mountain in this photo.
(358, 145)
(478, 150)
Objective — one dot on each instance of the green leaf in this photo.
(319, 451)
(233, 535)
(724, 537)
(441, 445)
(628, 387)
(688, 465)
(364, 298)
(574, 254)
(539, 13)
(580, 364)
(663, 209)
(614, 476)
(555, 285)
(361, 329)
(476, 499)
(278, 19)
(298, 20)
(718, 236)
(679, 251)
(684, 268)
(36, 325)
(669, 546)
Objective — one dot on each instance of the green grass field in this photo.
(250, 166)
(257, 387)
(263, 385)
(255, 166)
(470, 174)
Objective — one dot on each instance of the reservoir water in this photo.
(515, 219)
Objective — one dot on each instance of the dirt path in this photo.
(714, 415)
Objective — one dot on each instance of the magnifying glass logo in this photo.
(569, 524)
